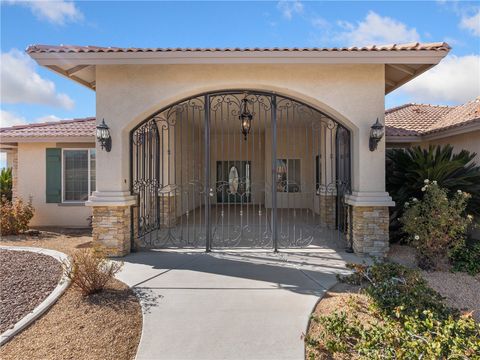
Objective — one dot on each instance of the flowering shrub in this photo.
(436, 224)
(15, 216)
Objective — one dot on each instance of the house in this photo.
(424, 125)
(221, 148)
(54, 165)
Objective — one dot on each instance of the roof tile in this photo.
(62, 128)
(436, 46)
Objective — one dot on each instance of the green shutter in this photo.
(54, 175)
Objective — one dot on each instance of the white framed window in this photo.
(288, 175)
(78, 174)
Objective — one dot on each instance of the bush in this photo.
(407, 320)
(407, 168)
(15, 216)
(436, 224)
(421, 336)
(466, 258)
(392, 286)
(90, 270)
(6, 183)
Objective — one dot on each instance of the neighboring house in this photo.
(221, 148)
(54, 165)
(422, 124)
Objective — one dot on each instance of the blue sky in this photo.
(32, 94)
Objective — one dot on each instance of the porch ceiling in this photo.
(403, 62)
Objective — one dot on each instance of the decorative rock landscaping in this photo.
(26, 279)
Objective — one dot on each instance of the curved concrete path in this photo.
(229, 305)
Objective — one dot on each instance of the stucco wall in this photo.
(351, 94)
(469, 141)
(31, 183)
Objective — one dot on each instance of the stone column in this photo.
(370, 222)
(111, 221)
(12, 161)
(370, 230)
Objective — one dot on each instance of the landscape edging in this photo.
(45, 304)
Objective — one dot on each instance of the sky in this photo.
(30, 93)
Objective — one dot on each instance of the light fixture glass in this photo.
(245, 118)
(376, 134)
(103, 136)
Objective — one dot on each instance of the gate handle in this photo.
(211, 192)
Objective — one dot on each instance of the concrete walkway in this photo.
(229, 305)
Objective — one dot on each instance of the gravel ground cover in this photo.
(26, 279)
(460, 290)
(105, 326)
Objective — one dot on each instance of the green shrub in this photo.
(6, 183)
(392, 286)
(15, 216)
(436, 224)
(407, 320)
(419, 336)
(407, 168)
(466, 258)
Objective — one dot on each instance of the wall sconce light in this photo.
(103, 136)
(376, 134)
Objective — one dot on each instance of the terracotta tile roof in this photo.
(436, 46)
(422, 119)
(63, 128)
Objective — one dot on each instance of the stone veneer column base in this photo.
(111, 229)
(370, 230)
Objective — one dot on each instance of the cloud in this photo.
(8, 118)
(56, 12)
(376, 29)
(455, 80)
(471, 23)
(289, 8)
(21, 84)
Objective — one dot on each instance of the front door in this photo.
(233, 182)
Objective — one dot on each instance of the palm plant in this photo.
(6, 183)
(406, 170)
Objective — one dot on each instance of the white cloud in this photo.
(8, 118)
(21, 84)
(289, 8)
(47, 118)
(56, 12)
(471, 23)
(376, 29)
(456, 80)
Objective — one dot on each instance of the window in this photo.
(288, 175)
(78, 174)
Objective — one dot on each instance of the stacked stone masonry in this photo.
(111, 229)
(370, 230)
(14, 155)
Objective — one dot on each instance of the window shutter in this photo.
(54, 175)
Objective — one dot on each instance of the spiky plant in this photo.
(406, 170)
(6, 183)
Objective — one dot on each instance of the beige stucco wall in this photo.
(469, 141)
(31, 184)
(351, 94)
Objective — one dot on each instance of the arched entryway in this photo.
(240, 169)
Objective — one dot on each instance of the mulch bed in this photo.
(26, 279)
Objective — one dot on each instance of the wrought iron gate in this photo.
(239, 169)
